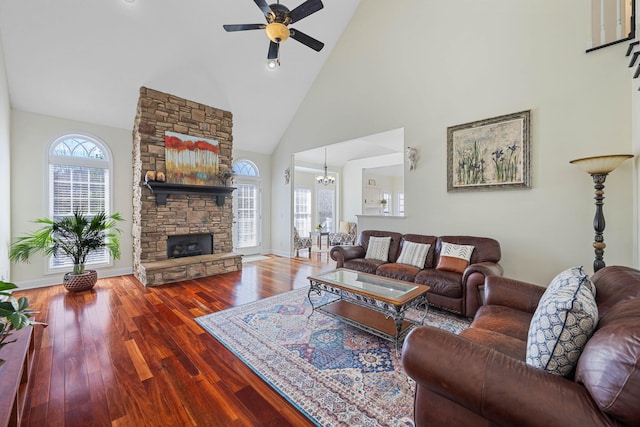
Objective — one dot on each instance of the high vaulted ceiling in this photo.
(86, 59)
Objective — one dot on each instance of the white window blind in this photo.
(79, 179)
(302, 210)
(246, 215)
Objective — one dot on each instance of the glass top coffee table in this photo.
(372, 303)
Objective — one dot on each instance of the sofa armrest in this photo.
(340, 254)
(512, 293)
(473, 279)
(504, 390)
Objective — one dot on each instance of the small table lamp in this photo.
(599, 167)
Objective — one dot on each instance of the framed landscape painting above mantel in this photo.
(490, 154)
(191, 160)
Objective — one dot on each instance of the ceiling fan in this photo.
(279, 17)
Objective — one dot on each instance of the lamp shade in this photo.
(277, 32)
(601, 164)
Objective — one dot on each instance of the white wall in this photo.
(31, 135)
(5, 172)
(353, 182)
(426, 65)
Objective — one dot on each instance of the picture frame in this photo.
(490, 154)
(191, 160)
(372, 182)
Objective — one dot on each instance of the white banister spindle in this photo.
(619, 19)
(603, 24)
(611, 22)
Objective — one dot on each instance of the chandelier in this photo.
(326, 179)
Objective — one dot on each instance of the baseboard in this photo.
(284, 254)
(56, 279)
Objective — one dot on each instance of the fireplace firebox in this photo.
(186, 245)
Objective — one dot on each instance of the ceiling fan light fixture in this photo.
(272, 64)
(277, 32)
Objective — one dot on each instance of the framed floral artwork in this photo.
(490, 154)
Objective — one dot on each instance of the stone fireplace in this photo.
(185, 245)
(164, 215)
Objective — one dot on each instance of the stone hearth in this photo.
(181, 213)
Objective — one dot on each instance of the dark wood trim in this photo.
(162, 189)
(634, 58)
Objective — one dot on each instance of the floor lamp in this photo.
(599, 167)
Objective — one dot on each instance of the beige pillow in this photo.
(344, 227)
(413, 254)
(378, 248)
(454, 257)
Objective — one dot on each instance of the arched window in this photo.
(245, 167)
(79, 178)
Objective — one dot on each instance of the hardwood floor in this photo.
(125, 355)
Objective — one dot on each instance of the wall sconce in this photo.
(287, 175)
(412, 156)
(599, 167)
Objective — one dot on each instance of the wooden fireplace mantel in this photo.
(162, 189)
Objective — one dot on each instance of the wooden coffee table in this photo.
(372, 303)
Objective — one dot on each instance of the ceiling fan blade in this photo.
(305, 9)
(243, 27)
(314, 44)
(273, 50)
(264, 7)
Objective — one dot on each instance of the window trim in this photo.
(255, 180)
(52, 159)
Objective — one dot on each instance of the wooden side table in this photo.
(320, 235)
(15, 373)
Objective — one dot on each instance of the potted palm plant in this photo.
(76, 236)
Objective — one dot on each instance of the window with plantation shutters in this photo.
(302, 210)
(79, 178)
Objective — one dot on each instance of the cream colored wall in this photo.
(31, 135)
(427, 65)
(5, 172)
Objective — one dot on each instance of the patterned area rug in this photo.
(333, 373)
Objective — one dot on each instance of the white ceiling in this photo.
(86, 60)
(367, 146)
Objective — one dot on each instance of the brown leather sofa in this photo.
(480, 378)
(452, 291)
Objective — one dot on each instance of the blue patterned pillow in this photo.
(566, 317)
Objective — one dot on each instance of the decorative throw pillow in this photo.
(378, 248)
(454, 257)
(566, 317)
(344, 227)
(413, 254)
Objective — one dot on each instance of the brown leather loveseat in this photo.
(457, 292)
(480, 378)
